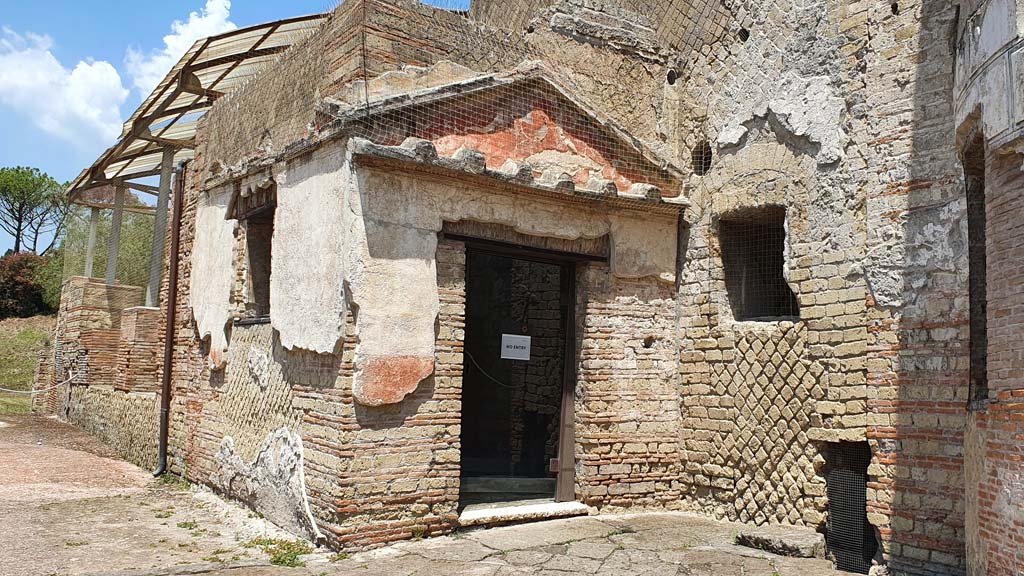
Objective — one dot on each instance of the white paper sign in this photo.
(515, 347)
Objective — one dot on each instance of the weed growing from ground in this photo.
(282, 552)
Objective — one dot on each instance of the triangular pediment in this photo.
(524, 117)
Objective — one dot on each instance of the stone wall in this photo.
(139, 352)
(917, 277)
(627, 403)
(106, 347)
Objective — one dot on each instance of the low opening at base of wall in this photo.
(850, 538)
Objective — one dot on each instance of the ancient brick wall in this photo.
(682, 26)
(882, 321)
(917, 315)
(106, 347)
(837, 112)
(993, 449)
(138, 355)
(627, 407)
(365, 39)
(764, 398)
(46, 401)
(285, 422)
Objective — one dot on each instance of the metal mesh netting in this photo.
(851, 539)
(135, 246)
(753, 252)
(571, 88)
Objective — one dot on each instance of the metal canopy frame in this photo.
(212, 68)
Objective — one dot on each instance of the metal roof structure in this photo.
(212, 67)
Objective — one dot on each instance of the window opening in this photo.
(701, 157)
(255, 211)
(753, 247)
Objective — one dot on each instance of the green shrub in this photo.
(21, 295)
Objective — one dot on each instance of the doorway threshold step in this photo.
(512, 512)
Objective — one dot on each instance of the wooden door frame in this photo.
(568, 262)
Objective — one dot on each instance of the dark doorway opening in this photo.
(517, 439)
(850, 540)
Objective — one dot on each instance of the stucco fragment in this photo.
(407, 79)
(308, 297)
(804, 107)
(634, 254)
(393, 280)
(212, 272)
(273, 484)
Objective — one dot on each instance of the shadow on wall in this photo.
(919, 313)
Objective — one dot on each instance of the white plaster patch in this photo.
(806, 107)
(407, 79)
(307, 295)
(393, 280)
(212, 271)
(641, 247)
(273, 484)
(562, 162)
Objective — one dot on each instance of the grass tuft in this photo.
(282, 552)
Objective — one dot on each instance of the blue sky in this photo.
(72, 71)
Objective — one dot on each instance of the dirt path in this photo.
(69, 508)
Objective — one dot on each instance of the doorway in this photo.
(518, 377)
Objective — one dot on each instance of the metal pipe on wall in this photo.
(172, 318)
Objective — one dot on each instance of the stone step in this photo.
(794, 541)
(513, 512)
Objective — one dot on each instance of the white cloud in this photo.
(81, 105)
(147, 70)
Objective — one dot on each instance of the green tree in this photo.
(21, 295)
(32, 206)
(69, 259)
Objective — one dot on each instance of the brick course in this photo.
(678, 404)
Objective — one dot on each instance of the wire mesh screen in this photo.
(133, 255)
(569, 87)
(851, 539)
(753, 245)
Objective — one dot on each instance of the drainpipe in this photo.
(172, 314)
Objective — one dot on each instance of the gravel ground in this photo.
(70, 508)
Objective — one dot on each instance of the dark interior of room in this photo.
(510, 408)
